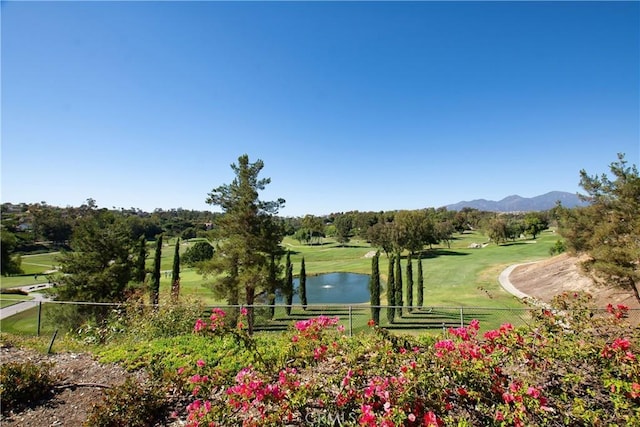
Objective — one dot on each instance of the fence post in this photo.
(39, 315)
(461, 317)
(350, 322)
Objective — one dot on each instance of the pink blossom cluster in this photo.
(619, 311)
(216, 321)
(311, 328)
(619, 347)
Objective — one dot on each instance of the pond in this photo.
(334, 288)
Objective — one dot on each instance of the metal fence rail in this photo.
(38, 317)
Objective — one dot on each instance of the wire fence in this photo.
(39, 317)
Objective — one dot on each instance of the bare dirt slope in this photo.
(545, 279)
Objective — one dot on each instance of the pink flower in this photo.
(294, 338)
(430, 419)
(200, 363)
(508, 397)
(200, 325)
(243, 311)
(533, 392)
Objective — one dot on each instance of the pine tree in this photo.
(420, 283)
(140, 271)
(303, 285)
(391, 291)
(175, 273)
(374, 289)
(155, 284)
(398, 276)
(409, 283)
(248, 234)
(287, 289)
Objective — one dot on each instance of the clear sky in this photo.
(351, 105)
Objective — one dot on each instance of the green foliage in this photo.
(287, 289)
(343, 226)
(302, 288)
(101, 264)
(391, 291)
(140, 270)
(420, 283)
(398, 286)
(10, 263)
(558, 248)
(249, 236)
(155, 280)
(535, 223)
(23, 384)
(175, 272)
(409, 282)
(199, 252)
(130, 404)
(374, 288)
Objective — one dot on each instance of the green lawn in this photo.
(33, 267)
(10, 299)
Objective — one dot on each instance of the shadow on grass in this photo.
(435, 253)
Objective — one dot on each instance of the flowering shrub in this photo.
(579, 369)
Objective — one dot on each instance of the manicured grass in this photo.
(9, 299)
(32, 266)
(26, 322)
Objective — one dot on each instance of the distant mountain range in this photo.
(516, 203)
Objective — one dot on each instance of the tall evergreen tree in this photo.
(155, 283)
(374, 289)
(247, 235)
(140, 270)
(303, 285)
(287, 289)
(420, 283)
(398, 277)
(391, 291)
(271, 294)
(99, 267)
(409, 283)
(175, 273)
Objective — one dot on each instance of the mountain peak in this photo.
(515, 203)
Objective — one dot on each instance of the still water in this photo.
(334, 288)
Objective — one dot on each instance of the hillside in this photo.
(545, 279)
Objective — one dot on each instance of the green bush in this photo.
(130, 405)
(24, 383)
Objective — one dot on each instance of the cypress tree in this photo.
(140, 270)
(273, 284)
(303, 285)
(420, 283)
(288, 284)
(155, 283)
(409, 283)
(391, 291)
(399, 302)
(175, 273)
(374, 289)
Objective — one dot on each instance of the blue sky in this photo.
(351, 105)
